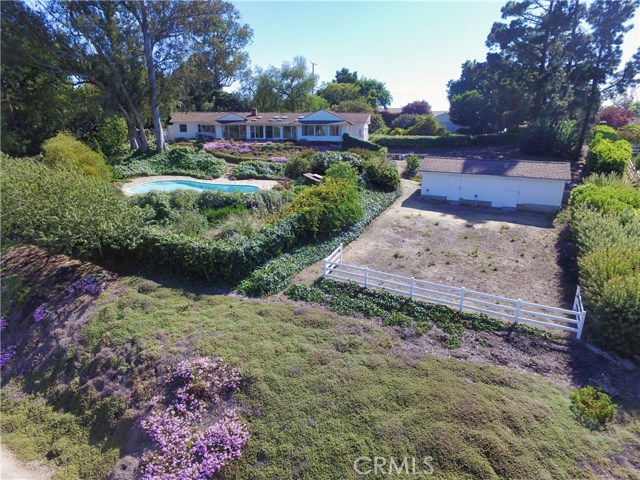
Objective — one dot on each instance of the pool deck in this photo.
(224, 180)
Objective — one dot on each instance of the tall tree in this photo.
(284, 88)
(345, 76)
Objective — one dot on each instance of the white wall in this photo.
(173, 131)
(507, 192)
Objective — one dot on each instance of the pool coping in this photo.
(225, 180)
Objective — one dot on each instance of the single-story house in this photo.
(320, 126)
(522, 184)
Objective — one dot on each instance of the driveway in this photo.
(508, 253)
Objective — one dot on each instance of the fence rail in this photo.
(459, 297)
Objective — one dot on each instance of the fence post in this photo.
(324, 273)
(413, 282)
(366, 277)
(462, 291)
(341, 253)
(583, 315)
(518, 308)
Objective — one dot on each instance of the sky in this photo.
(415, 47)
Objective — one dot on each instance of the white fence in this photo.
(460, 298)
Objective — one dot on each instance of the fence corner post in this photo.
(366, 277)
(325, 269)
(462, 292)
(516, 317)
(583, 315)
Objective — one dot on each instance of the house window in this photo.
(233, 131)
(205, 128)
(289, 132)
(277, 132)
(308, 131)
(334, 131)
(255, 131)
(322, 130)
(183, 127)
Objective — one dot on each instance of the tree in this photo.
(375, 92)
(359, 105)
(313, 103)
(335, 93)
(285, 88)
(418, 107)
(427, 125)
(615, 117)
(635, 108)
(470, 109)
(345, 76)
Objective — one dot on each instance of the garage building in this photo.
(521, 184)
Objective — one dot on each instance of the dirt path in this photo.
(13, 469)
(510, 253)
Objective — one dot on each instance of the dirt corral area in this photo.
(509, 253)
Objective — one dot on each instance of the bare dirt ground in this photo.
(13, 469)
(507, 253)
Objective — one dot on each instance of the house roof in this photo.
(501, 168)
(263, 118)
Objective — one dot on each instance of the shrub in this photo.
(297, 166)
(349, 142)
(239, 224)
(157, 204)
(112, 136)
(64, 149)
(215, 216)
(604, 131)
(343, 171)
(593, 405)
(377, 123)
(419, 107)
(258, 170)
(66, 211)
(413, 163)
(545, 139)
(630, 133)
(418, 142)
(323, 160)
(426, 125)
(328, 207)
(173, 161)
(405, 120)
(615, 117)
(606, 156)
(611, 197)
(381, 173)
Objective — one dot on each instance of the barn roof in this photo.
(501, 168)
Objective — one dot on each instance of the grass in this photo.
(321, 390)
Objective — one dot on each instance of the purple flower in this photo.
(94, 283)
(7, 354)
(228, 146)
(41, 312)
(3, 324)
(278, 159)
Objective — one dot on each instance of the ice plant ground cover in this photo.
(183, 449)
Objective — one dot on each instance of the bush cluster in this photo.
(379, 172)
(592, 406)
(257, 169)
(630, 133)
(418, 142)
(349, 142)
(605, 223)
(64, 210)
(545, 139)
(321, 161)
(173, 161)
(608, 156)
(65, 149)
(327, 207)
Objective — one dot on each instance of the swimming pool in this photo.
(170, 185)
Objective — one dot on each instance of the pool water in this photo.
(170, 185)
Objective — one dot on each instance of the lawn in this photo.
(321, 390)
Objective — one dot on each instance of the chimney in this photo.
(254, 112)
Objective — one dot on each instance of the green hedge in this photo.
(64, 148)
(349, 142)
(417, 142)
(173, 161)
(606, 228)
(276, 274)
(608, 156)
(64, 210)
(256, 169)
